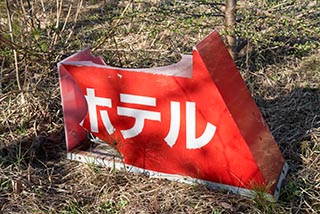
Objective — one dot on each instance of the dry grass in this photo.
(281, 70)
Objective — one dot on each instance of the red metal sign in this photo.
(194, 118)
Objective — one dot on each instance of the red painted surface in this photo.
(197, 117)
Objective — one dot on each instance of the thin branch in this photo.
(67, 18)
(14, 50)
(79, 6)
(1, 73)
(59, 11)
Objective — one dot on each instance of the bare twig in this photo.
(66, 19)
(1, 73)
(12, 40)
(59, 11)
(79, 6)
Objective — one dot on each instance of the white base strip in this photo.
(116, 162)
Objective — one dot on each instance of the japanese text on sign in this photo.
(192, 142)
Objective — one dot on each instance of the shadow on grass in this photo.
(34, 151)
(33, 173)
(294, 121)
(291, 119)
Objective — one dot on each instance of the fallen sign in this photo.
(194, 121)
